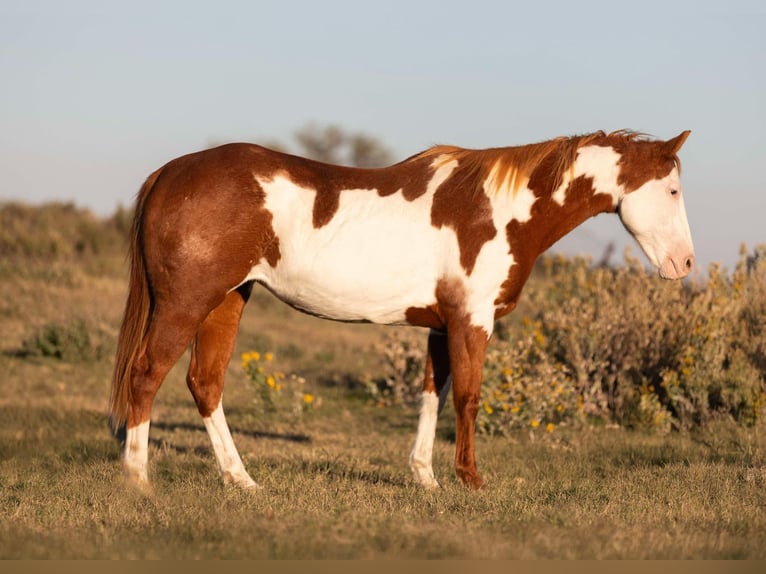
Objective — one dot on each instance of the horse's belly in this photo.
(347, 297)
(361, 287)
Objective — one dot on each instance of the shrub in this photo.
(276, 391)
(70, 342)
(403, 358)
(58, 231)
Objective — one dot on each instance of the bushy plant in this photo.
(276, 391)
(56, 231)
(74, 341)
(403, 358)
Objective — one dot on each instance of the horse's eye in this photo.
(673, 192)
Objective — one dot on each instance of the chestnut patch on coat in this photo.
(236, 230)
(467, 210)
(642, 161)
(424, 317)
(448, 305)
(549, 222)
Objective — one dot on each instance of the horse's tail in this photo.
(135, 321)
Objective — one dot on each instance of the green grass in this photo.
(336, 486)
(335, 481)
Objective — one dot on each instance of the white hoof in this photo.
(425, 478)
(137, 477)
(240, 480)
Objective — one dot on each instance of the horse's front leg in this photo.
(467, 348)
(435, 389)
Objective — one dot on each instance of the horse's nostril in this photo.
(689, 262)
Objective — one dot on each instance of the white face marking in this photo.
(229, 463)
(136, 455)
(656, 217)
(597, 162)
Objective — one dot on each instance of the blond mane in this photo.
(509, 168)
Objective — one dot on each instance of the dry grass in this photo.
(335, 481)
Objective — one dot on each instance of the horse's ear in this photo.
(672, 146)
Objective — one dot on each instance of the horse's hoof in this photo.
(243, 481)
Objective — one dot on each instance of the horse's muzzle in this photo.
(677, 267)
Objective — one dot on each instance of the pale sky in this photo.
(96, 95)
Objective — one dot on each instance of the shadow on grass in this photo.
(290, 437)
(164, 443)
(335, 470)
(70, 435)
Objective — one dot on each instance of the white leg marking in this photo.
(136, 456)
(421, 457)
(229, 463)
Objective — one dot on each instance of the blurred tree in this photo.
(332, 144)
(366, 151)
(322, 143)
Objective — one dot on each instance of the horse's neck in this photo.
(586, 189)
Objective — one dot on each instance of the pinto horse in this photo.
(443, 240)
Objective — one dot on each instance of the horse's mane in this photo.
(509, 168)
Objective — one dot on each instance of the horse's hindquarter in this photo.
(375, 258)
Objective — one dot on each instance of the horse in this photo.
(444, 240)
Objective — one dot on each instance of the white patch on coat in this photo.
(495, 259)
(229, 463)
(373, 260)
(597, 162)
(516, 198)
(443, 170)
(135, 458)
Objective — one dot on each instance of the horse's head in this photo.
(652, 209)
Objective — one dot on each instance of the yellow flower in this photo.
(308, 398)
(268, 356)
(534, 423)
(271, 381)
(255, 356)
(488, 408)
(559, 408)
(515, 409)
(549, 427)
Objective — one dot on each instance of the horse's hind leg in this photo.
(211, 352)
(170, 331)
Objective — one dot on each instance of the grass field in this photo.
(336, 483)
